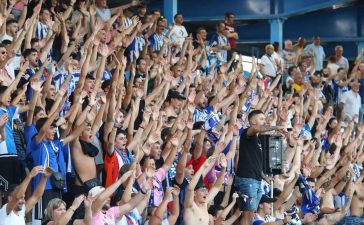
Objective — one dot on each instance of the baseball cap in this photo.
(200, 184)
(96, 190)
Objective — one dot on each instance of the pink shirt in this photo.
(158, 193)
(106, 218)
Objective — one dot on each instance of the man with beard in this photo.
(204, 109)
(14, 211)
(198, 196)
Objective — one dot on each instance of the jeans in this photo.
(251, 188)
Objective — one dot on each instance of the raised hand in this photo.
(174, 141)
(12, 3)
(135, 2)
(147, 148)
(4, 119)
(235, 196)
(169, 191)
(236, 129)
(87, 202)
(192, 96)
(153, 138)
(92, 11)
(36, 170)
(148, 184)
(36, 85)
(155, 112)
(222, 161)
(211, 159)
(77, 201)
(139, 93)
(104, 50)
(149, 172)
(48, 171)
(92, 99)
(126, 175)
(123, 61)
(176, 191)
(24, 67)
(220, 146)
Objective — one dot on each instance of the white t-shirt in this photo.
(17, 58)
(343, 62)
(333, 68)
(12, 218)
(270, 66)
(178, 34)
(352, 103)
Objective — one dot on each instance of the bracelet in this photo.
(143, 192)
(291, 146)
(71, 208)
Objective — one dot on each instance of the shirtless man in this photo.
(197, 195)
(334, 218)
(357, 203)
(83, 152)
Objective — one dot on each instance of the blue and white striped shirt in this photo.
(156, 42)
(135, 48)
(221, 40)
(42, 31)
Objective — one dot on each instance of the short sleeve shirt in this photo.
(250, 164)
(47, 153)
(158, 192)
(12, 112)
(109, 217)
(12, 218)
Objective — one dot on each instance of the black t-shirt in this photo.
(250, 163)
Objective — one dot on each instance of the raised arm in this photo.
(30, 203)
(70, 211)
(20, 190)
(215, 189)
(162, 208)
(180, 170)
(262, 128)
(98, 203)
(191, 187)
(226, 211)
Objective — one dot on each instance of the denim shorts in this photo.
(251, 188)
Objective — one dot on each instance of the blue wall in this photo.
(305, 18)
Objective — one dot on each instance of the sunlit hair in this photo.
(52, 205)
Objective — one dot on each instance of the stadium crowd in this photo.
(113, 116)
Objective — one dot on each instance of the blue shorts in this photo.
(251, 188)
(350, 220)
